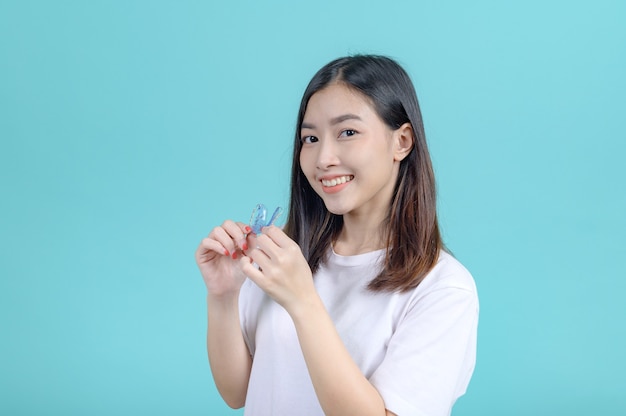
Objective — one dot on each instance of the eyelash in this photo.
(344, 133)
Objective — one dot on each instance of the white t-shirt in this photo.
(417, 348)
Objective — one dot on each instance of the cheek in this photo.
(305, 165)
(306, 160)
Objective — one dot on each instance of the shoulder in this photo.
(448, 276)
(449, 273)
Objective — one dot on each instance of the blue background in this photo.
(129, 129)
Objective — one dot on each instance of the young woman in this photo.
(354, 308)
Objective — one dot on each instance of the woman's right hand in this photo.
(218, 256)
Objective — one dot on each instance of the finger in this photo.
(251, 242)
(244, 243)
(253, 272)
(245, 228)
(209, 244)
(237, 232)
(259, 257)
(267, 245)
(278, 236)
(220, 235)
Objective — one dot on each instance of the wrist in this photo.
(219, 291)
(306, 308)
(222, 300)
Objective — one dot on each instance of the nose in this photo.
(327, 154)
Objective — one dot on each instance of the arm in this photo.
(228, 354)
(339, 384)
(284, 275)
(229, 357)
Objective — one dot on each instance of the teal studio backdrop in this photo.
(129, 129)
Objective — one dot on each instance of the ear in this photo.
(403, 141)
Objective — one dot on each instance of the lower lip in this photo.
(334, 189)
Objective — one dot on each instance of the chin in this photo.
(337, 209)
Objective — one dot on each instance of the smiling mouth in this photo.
(337, 181)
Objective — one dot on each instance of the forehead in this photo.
(337, 99)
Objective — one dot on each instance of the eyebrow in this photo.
(334, 121)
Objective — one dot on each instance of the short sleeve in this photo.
(246, 303)
(431, 355)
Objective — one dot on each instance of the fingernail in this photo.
(248, 229)
(234, 255)
(244, 246)
(226, 253)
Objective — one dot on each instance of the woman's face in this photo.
(349, 155)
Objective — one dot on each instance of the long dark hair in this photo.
(411, 229)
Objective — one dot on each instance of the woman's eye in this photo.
(347, 133)
(309, 139)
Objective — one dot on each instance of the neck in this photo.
(359, 234)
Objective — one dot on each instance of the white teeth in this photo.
(337, 181)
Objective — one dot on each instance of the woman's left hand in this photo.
(283, 272)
